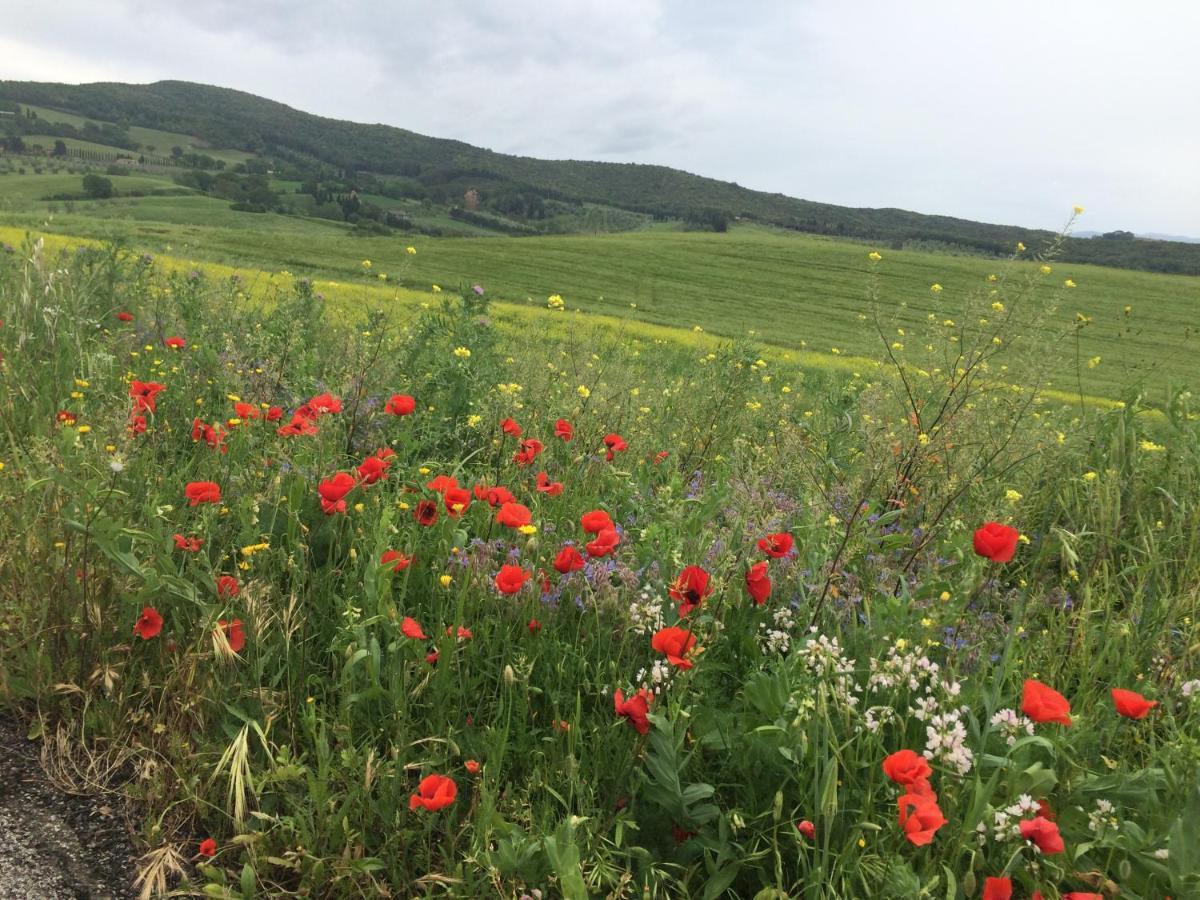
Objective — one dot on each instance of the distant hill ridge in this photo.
(233, 119)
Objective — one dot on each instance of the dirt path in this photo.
(55, 845)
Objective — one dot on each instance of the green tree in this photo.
(97, 186)
(60, 147)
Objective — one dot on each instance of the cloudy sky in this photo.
(1006, 112)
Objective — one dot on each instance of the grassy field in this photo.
(790, 290)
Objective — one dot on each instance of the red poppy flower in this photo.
(426, 513)
(690, 588)
(1043, 833)
(495, 496)
(568, 560)
(431, 657)
(920, 818)
(208, 847)
(808, 829)
(202, 492)
(235, 634)
(227, 586)
(274, 414)
(213, 435)
(1131, 704)
(777, 545)
(534, 626)
(1081, 895)
(433, 793)
(758, 585)
(1046, 811)
(996, 542)
(548, 487)
(188, 544)
(595, 521)
(137, 424)
(514, 515)
(144, 394)
(997, 889)
(125, 317)
(299, 425)
(635, 708)
(660, 456)
(322, 404)
(149, 623)
(563, 429)
(175, 343)
(333, 492)
(400, 405)
(246, 411)
(615, 444)
(1044, 704)
(511, 579)
(456, 500)
(412, 629)
(397, 560)
(442, 483)
(530, 448)
(605, 543)
(463, 634)
(675, 644)
(472, 766)
(374, 468)
(509, 426)
(906, 767)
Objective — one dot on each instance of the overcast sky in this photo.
(1005, 112)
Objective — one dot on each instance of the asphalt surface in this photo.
(52, 844)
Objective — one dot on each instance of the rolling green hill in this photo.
(518, 189)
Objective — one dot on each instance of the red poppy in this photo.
(463, 634)
(615, 444)
(235, 634)
(511, 579)
(595, 521)
(333, 492)
(299, 425)
(125, 317)
(472, 766)
(149, 623)
(1131, 704)
(322, 404)
(213, 435)
(495, 496)
(400, 405)
(534, 626)
(397, 560)
(412, 629)
(456, 500)
(137, 424)
(1046, 811)
(1043, 833)
(274, 414)
(568, 560)
(433, 793)
(202, 492)
(431, 657)
(548, 487)
(509, 426)
(208, 847)
(906, 767)
(563, 429)
(635, 708)
(227, 586)
(245, 410)
(188, 544)
(997, 889)
(808, 829)
(375, 467)
(777, 545)
(530, 448)
(426, 513)
(1082, 895)
(996, 542)
(514, 515)
(605, 543)
(144, 394)
(442, 483)
(757, 583)
(660, 456)
(675, 644)
(175, 343)
(920, 818)
(1044, 704)
(690, 588)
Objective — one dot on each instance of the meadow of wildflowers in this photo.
(354, 604)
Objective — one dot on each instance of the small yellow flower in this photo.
(554, 301)
(1090, 476)
(923, 439)
(366, 264)
(1093, 362)
(997, 306)
(1012, 496)
(84, 429)
(424, 470)
(528, 529)
(358, 507)
(81, 384)
(1020, 247)
(936, 288)
(583, 392)
(76, 395)
(446, 580)
(462, 352)
(944, 596)
(1078, 209)
(1147, 445)
(473, 421)
(411, 251)
(753, 404)
(1045, 269)
(874, 256)
(1068, 283)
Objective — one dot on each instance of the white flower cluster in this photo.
(657, 678)
(646, 612)
(1011, 724)
(1102, 817)
(778, 637)
(825, 659)
(1006, 823)
(878, 716)
(901, 669)
(1191, 688)
(946, 740)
